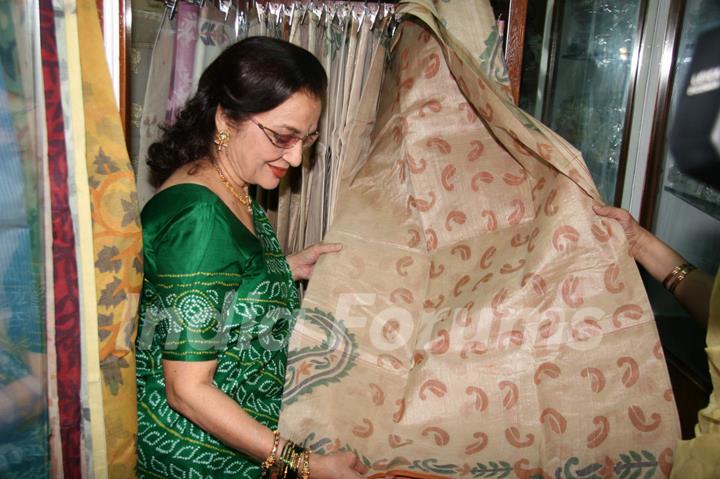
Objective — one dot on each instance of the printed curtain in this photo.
(345, 36)
(481, 320)
(70, 255)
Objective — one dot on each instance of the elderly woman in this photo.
(215, 314)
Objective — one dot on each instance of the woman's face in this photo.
(252, 157)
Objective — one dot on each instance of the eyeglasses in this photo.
(286, 140)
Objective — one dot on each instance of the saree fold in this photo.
(481, 320)
(23, 448)
(65, 272)
(117, 253)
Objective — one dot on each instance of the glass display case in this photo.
(579, 76)
(582, 71)
(698, 16)
(685, 214)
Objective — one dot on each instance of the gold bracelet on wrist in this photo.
(293, 462)
(269, 462)
(305, 471)
(284, 460)
(296, 456)
(677, 275)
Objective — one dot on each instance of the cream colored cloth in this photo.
(481, 320)
(699, 458)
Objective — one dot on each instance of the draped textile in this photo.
(480, 320)
(63, 65)
(147, 18)
(92, 440)
(117, 254)
(70, 259)
(67, 308)
(184, 59)
(23, 448)
(154, 104)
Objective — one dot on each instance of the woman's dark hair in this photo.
(252, 76)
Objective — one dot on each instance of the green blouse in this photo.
(212, 291)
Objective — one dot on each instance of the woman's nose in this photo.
(294, 154)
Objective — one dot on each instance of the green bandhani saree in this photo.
(212, 291)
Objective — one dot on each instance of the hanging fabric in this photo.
(480, 320)
(155, 102)
(92, 440)
(67, 307)
(184, 59)
(215, 33)
(117, 259)
(70, 258)
(147, 17)
(23, 432)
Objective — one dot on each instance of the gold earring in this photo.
(222, 140)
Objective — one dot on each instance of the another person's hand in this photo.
(659, 260)
(647, 249)
(341, 465)
(637, 236)
(302, 264)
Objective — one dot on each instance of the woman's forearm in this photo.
(656, 257)
(219, 415)
(693, 293)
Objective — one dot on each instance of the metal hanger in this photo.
(171, 5)
(224, 7)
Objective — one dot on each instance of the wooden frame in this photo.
(515, 44)
(515, 11)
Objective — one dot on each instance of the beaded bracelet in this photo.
(305, 471)
(269, 462)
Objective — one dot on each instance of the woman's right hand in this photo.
(636, 235)
(339, 465)
(659, 260)
(647, 249)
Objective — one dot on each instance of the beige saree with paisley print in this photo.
(481, 320)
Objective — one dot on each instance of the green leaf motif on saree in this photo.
(324, 364)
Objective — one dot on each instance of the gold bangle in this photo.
(305, 472)
(671, 275)
(296, 456)
(269, 462)
(284, 460)
(677, 275)
(681, 276)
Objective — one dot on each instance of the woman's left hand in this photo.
(303, 263)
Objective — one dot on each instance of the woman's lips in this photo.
(278, 172)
